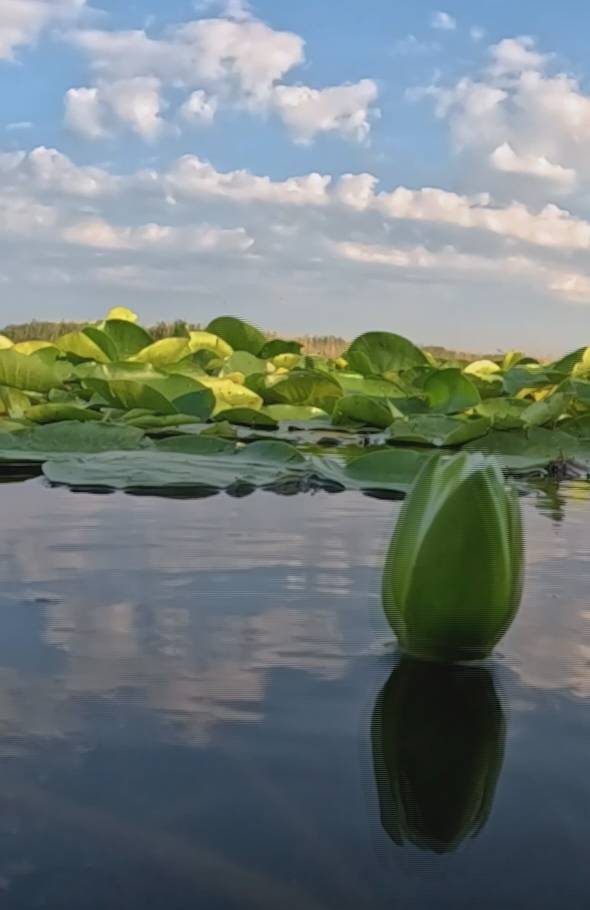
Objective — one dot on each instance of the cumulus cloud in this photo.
(245, 55)
(190, 176)
(443, 21)
(512, 56)
(236, 60)
(573, 287)
(199, 107)
(23, 21)
(47, 169)
(134, 103)
(517, 117)
(100, 234)
(504, 158)
(342, 108)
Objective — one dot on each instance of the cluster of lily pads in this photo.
(230, 408)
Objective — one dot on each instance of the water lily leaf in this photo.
(230, 395)
(163, 352)
(449, 391)
(578, 389)
(240, 335)
(388, 470)
(359, 410)
(13, 402)
(33, 347)
(356, 384)
(127, 338)
(39, 443)
(525, 377)
(245, 363)
(153, 422)
(195, 445)
(511, 359)
(277, 346)
(303, 387)
(482, 368)
(377, 353)
(166, 395)
(523, 452)
(59, 411)
(207, 341)
(31, 373)
(11, 426)
(247, 417)
(503, 413)
(546, 411)
(122, 313)
(578, 426)
(292, 413)
(255, 465)
(435, 430)
(89, 344)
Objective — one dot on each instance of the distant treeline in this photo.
(326, 345)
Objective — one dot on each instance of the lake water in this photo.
(201, 707)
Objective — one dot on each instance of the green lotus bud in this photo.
(453, 576)
(438, 735)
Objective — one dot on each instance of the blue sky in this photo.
(327, 167)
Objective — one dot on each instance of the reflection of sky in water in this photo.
(171, 666)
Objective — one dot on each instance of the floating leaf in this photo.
(277, 347)
(292, 413)
(31, 373)
(430, 429)
(55, 413)
(448, 391)
(377, 353)
(361, 410)
(122, 313)
(42, 442)
(127, 339)
(240, 335)
(247, 417)
(503, 413)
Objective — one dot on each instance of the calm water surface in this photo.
(201, 707)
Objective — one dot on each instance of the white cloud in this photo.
(135, 103)
(83, 112)
(505, 159)
(191, 176)
(24, 215)
(476, 33)
(539, 122)
(341, 108)
(19, 125)
(199, 107)
(513, 56)
(245, 55)
(23, 21)
(239, 61)
(443, 21)
(100, 234)
(573, 287)
(48, 170)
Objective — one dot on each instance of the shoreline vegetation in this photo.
(322, 345)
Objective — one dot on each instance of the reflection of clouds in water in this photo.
(184, 607)
(181, 607)
(549, 643)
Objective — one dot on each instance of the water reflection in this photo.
(438, 737)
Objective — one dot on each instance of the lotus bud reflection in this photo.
(453, 576)
(438, 737)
